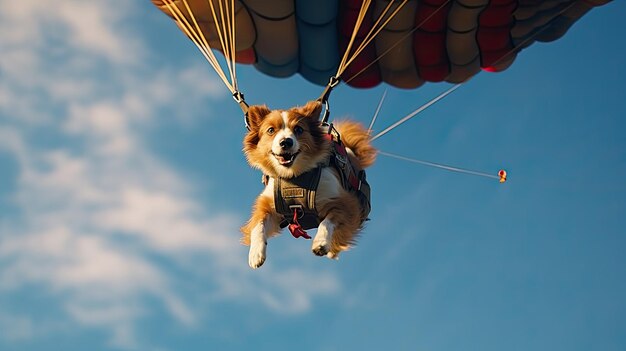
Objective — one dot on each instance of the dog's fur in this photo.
(339, 208)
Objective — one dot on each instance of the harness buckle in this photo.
(342, 160)
(333, 81)
(298, 209)
(238, 97)
(324, 97)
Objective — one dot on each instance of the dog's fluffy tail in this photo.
(355, 137)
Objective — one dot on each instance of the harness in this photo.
(294, 198)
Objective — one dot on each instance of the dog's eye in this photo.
(270, 130)
(298, 130)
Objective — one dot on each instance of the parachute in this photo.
(403, 43)
(421, 41)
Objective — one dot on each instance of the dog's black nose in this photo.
(286, 143)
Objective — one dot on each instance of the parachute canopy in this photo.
(424, 41)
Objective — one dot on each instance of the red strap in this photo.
(341, 149)
(295, 228)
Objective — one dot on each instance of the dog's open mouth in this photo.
(286, 159)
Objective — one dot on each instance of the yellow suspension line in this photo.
(226, 47)
(198, 33)
(377, 27)
(358, 50)
(197, 37)
(357, 25)
(398, 42)
(221, 33)
(375, 30)
(232, 43)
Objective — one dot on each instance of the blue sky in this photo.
(122, 188)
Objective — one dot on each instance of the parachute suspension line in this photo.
(380, 104)
(453, 88)
(357, 25)
(225, 29)
(363, 11)
(197, 37)
(417, 111)
(233, 49)
(376, 28)
(225, 13)
(500, 176)
(514, 49)
(348, 58)
(398, 42)
(225, 32)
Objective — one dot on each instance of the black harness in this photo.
(294, 198)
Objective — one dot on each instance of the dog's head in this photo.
(285, 143)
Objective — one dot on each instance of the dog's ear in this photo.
(311, 109)
(256, 113)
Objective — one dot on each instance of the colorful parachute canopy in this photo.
(427, 40)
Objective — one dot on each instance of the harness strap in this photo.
(296, 197)
(329, 87)
(341, 160)
(324, 98)
(351, 179)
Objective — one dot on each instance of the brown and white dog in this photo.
(286, 144)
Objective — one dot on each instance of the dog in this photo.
(285, 144)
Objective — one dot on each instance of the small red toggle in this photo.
(296, 229)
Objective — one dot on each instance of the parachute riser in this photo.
(334, 81)
(239, 99)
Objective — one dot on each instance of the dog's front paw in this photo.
(321, 246)
(256, 256)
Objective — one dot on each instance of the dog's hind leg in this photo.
(323, 238)
(340, 226)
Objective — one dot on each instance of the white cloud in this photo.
(82, 26)
(89, 25)
(16, 327)
(95, 204)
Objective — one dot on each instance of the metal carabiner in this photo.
(239, 99)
